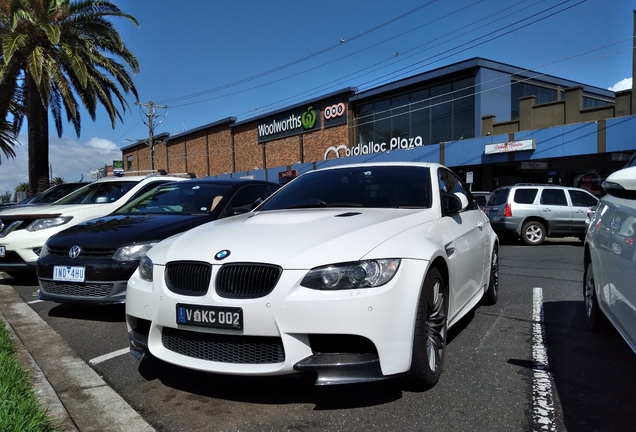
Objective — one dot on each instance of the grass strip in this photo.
(20, 410)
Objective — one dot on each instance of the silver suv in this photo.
(534, 211)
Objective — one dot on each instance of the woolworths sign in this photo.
(289, 123)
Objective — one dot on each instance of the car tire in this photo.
(533, 233)
(492, 293)
(594, 315)
(431, 329)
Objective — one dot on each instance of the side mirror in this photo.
(454, 203)
(622, 183)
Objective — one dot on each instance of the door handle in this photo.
(480, 224)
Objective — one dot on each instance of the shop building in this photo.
(491, 122)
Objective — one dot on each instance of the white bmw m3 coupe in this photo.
(352, 273)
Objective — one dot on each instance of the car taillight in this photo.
(629, 241)
(507, 211)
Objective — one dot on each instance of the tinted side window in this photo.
(244, 198)
(499, 197)
(553, 197)
(481, 200)
(143, 190)
(525, 196)
(582, 199)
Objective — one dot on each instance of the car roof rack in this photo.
(155, 173)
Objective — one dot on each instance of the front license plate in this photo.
(210, 316)
(68, 273)
(3, 251)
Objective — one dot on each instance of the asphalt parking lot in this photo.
(527, 363)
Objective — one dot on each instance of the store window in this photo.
(523, 89)
(589, 102)
(440, 113)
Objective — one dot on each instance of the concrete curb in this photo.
(76, 396)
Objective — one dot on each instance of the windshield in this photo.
(177, 198)
(56, 192)
(368, 186)
(99, 193)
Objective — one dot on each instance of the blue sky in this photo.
(208, 60)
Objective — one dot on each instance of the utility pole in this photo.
(150, 114)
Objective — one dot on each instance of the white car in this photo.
(610, 258)
(352, 273)
(24, 230)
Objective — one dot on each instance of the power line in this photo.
(302, 59)
(367, 71)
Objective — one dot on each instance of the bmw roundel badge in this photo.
(222, 254)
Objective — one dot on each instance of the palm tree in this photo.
(57, 181)
(52, 52)
(9, 129)
(7, 139)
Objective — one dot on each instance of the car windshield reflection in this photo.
(177, 198)
(361, 187)
(98, 193)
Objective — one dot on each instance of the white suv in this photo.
(23, 231)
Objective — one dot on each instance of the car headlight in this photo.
(44, 251)
(133, 252)
(145, 268)
(40, 224)
(360, 274)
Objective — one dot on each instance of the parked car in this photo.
(534, 211)
(50, 195)
(24, 230)
(352, 273)
(91, 262)
(482, 198)
(610, 258)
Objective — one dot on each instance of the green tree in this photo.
(9, 129)
(57, 181)
(5, 197)
(22, 187)
(53, 52)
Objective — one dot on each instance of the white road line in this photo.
(108, 356)
(542, 399)
(35, 301)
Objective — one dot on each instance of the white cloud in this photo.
(69, 159)
(624, 84)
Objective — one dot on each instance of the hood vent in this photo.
(348, 214)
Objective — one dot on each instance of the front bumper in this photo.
(22, 250)
(105, 281)
(342, 336)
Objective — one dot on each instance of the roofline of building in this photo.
(165, 136)
(227, 120)
(351, 90)
(473, 63)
